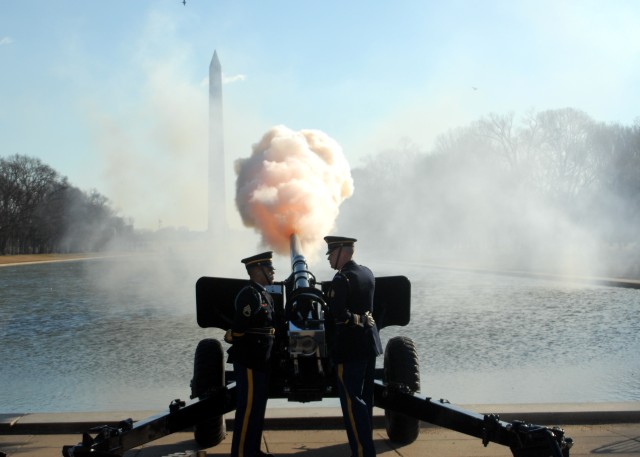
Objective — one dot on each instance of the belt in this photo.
(261, 331)
(358, 320)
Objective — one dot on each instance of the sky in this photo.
(114, 94)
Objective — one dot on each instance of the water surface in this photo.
(121, 334)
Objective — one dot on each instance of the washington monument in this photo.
(217, 221)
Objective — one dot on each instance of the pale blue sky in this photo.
(113, 93)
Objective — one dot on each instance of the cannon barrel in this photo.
(303, 297)
(299, 269)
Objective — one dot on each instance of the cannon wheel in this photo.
(208, 373)
(401, 369)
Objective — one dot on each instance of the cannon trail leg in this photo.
(115, 441)
(524, 440)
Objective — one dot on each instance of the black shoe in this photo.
(263, 454)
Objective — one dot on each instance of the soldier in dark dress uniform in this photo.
(251, 337)
(356, 344)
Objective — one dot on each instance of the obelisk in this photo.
(217, 219)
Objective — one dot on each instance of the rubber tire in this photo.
(401, 366)
(208, 373)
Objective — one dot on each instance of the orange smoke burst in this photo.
(294, 182)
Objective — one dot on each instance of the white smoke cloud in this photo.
(294, 182)
(152, 132)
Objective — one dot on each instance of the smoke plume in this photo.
(294, 182)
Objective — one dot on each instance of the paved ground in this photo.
(617, 440)
(291, 432)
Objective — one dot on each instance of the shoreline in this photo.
(32, 259)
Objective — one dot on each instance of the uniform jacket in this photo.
(252, 319)
(351, 292)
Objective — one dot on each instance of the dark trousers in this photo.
(355, 386)
(253, 392)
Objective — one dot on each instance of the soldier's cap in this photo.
(263, 259)
(334, 242)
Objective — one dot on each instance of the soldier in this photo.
(357, 343)
(251, 337)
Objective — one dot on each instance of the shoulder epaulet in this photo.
(246, 290)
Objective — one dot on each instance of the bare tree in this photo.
(26, 183)
(41, 212)
(566, 158)
(481, 184)
(502, 136)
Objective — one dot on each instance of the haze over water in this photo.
(121, 335)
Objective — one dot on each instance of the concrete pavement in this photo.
(606, 428)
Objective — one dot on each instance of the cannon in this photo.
(302, 372)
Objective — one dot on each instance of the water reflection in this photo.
(120, 335)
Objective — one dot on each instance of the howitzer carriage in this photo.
(303, 372)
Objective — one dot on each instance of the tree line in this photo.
(41, 212)
(537, 191)
(543, 189)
